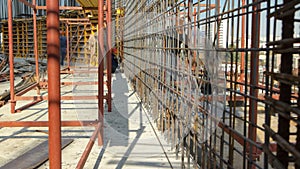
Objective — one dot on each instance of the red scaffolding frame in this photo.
(54, 94)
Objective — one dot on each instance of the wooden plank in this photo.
(34, 157)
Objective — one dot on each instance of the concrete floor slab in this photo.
(129, 139)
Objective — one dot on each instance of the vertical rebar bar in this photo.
(298, 125)
(268, 89)
(36, 54)
(285, 89)
(232, 84)
(100, 70)
(53, 53)
(242, 75)
(68, 45)
(255, 39)
(109, 54)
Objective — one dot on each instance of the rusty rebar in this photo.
(254, 76)
(109, 53)
(100, 70)
(282, 142)
(272, 158)
(285, 89)
(298, 119)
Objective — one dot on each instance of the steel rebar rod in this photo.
(282, 142)
(285, 89)
(109, 60)
(254, 64)
(100, 70)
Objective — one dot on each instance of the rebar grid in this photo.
(181, 55)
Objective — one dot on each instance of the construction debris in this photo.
(24, 70)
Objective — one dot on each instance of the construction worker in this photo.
(114, 60)
(63, 47)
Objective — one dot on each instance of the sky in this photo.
(263, 25)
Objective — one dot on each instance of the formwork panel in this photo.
(79, 33)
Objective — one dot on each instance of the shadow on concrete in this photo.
(130, 148)
(101, 154)
(116, 124)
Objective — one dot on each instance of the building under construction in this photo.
(150, 84)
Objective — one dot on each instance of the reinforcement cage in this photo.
(219, 77)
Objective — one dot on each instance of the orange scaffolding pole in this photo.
(53, 53)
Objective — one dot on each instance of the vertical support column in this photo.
(218, 7)
(190, 61)
(53, 46)
(77, 42)
(255, 38)
(242, 76)
(11, 58)
(18, 41)
(2, 45)
(36, 55)
(26, 39)
(71, 40)
(109, 61)
(268, 89)
(85, 44)
(285, 89)
(68, 45)
(100, 70)
(298, 125)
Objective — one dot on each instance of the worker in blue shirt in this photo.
(63, 47)
(114, 60)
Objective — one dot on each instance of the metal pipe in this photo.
(255, 38)
(272, 158)
(298, 126)
(27, 89)
(100, 70)
(282, 142)
(74, 19)
(79, 23)
(53, 47)
(74, 83)
(78, 71)
(68, 45)
(11, 58)
(109, 61)
(28, 3)
(61, 98)
(242, 76)
(37, 73)
(285, 89)
(28, 105)
(46, 123)
(65, 8)
(79, 83)
(88, 148)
